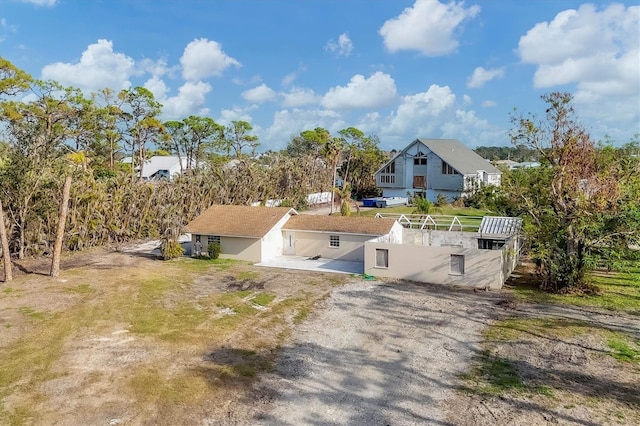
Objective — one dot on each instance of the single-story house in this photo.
(336, 237)
(163, 167)
(428, 167)
(246, 233)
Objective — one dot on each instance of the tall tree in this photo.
(236, 138)
(190, 139)
(141, 112)
(576, 187)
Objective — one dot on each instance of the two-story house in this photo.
(428, 167)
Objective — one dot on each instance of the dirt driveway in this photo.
(376, 354)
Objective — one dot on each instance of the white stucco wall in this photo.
(273, 243)
(482, 268)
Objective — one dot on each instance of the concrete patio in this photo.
(319, 265)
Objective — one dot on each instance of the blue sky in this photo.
(394, 68)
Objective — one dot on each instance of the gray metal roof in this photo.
(459, 156)
(498, 225)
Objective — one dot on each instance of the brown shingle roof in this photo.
(344, 224)
(237, 221)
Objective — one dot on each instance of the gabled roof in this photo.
(459, 156)
(238, 221)
(455, 153)
(340, 224)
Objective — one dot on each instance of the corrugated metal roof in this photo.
(498, 225)
(238, 221)
(340, 224)
(459, 156)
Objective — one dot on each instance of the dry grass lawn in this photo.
(125, 338)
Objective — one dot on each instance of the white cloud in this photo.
(489, 104)
(157, 86)
(417, 112)
(189, 100)
(287, 123)
(343, 47)
(236, 114)
(48, 3)
(596, 49)
(204, 58)
(428, 27)
(297, 97)
(481, 76)
(99, 67)
(377, 91)
(156, 67)
(260, 94)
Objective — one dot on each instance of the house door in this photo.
(418, 182)
(289, 243)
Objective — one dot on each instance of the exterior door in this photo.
(289, 243)
(418, 182)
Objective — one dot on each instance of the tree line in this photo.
(63, 184)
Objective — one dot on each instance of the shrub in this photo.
(170, 249)
(422, 205)
(441, 200)
(214, 250)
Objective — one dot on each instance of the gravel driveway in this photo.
(376, 354)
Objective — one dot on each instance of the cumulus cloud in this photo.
(189, 100)
(237, 114)
(297, 97)
(596, 49)
(489, 104)
(204, 58)
(429, 27)
(47, 3)
(480, 76)
(343, 47)
(377, 91)
(99, 67)
(260, 94)
(287, 123)
(418, 111)
(157, 86)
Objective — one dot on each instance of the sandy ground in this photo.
(376, 354)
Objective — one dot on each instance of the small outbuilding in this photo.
(243, 232)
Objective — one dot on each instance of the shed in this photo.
(243, 232)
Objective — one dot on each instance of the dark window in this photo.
(213, 239)
(419, 161)
(489, 244)
(456, 264)
(447, 169)
(382, 258)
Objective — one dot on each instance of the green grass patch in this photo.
(30, 312)
(619, 291)
(8, 290)
(514, 328)
(80, 289)
(497, 376)
(263, 299)
(150, 386)
(624, 348)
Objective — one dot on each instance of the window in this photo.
(456, 264)
(334, 240)
(489, 244)
(382, 258)
(387, 179)
(448, 170)
(422, 161)
(213, 239)
(391, 168)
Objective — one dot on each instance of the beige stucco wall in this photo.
(482, 268)
(317, 243)
(234, 248)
